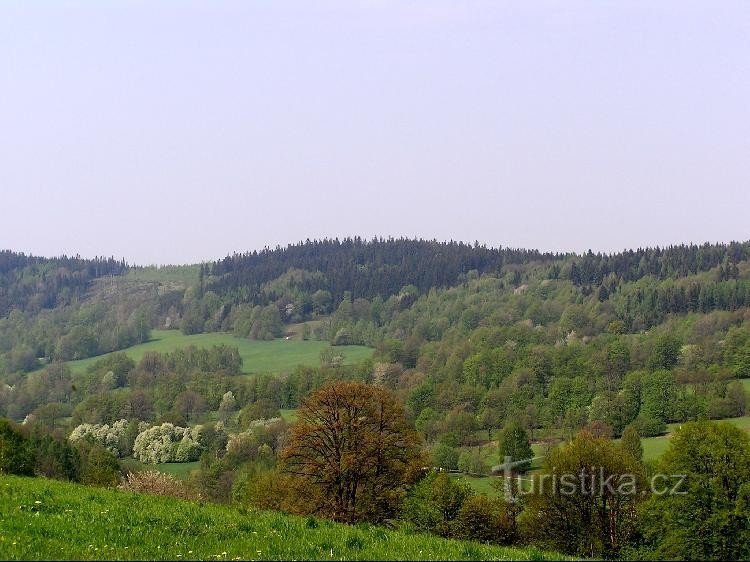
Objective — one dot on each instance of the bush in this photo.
(485, 520)
(55, 458)
(168, 443)
(15, 454)
(649, 426)
(434, 503)
(444, 456)
(471, 462)
(261, 409)
(99, 467)
(158, 484)
(113, 437)
(514, 444)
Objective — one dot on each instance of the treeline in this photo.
(33, 451)
(310, 279)
(31, 282)
(365, 268)
(663, 263)
(648, 302)
(108, 319)
(182, 387)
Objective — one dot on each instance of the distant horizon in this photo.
(131, 263)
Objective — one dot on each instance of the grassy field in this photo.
(480, 484)
(257, 356)
(179, 470)
(289, 416)
(45, 519)
(654, 447)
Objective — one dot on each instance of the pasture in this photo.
(179, 470)
(654, 447)
(273, 356)
(50, 520)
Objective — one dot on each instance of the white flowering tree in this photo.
(228, 406)
(241, 443)
(168, 443)
(111, 437)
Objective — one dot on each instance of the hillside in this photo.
(44, 519)
(475, 354)
(257, 356)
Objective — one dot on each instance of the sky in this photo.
(175, 132)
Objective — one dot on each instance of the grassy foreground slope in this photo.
(46, 519)
(257, 356)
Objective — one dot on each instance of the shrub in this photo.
(631, 442)
(485, 520)
(158, 484)
(261, 409)
(55, 458)
(434, 503)
(444, 456)
(649, 426)
(168, 443)
(113, 437)
(15, 455)
(471, 462)
(99, 467)
(708, 518)
(514, 444)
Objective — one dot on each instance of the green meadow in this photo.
(273, 356)
(654, 447)
(179, 470)
(49, 520)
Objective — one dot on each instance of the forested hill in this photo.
(365, 268)
(55, 309)
(28, 281)
(382, 267)
(670, 262)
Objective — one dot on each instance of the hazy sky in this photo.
(168, 132)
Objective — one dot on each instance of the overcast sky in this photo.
(171, 132)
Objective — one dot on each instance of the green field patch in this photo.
(179, 470)
(289, 416)
(480, 484)
(49, 520)
(273, 356)
(654, 447)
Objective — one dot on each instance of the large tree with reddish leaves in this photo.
(352, 453)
